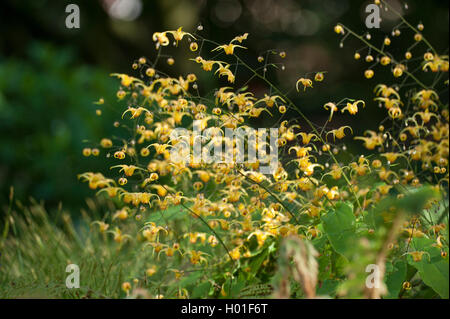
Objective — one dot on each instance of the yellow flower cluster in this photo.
(233, 208)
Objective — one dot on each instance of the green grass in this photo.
(35, 251)
(36, 246)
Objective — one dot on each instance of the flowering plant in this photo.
(323, 215)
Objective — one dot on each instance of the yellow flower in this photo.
(352, 108)
(385, 91)
(371, 142)
(225, 71)
(212, 240)
(418, 37)
(417, 255)
(336, 172)
(426, 98)
(102, 226)
(271, 100)
(121, 214)
(261, 236)
(332, 107)
(228, 48)
(384, 189)
(96, 180)
(385, 60)
(161, 38)
(300, 151)
(319, 77)
(197, 257)
(193, 46)
(368, 74)
(406, 285)
(127, 169)
(126, 286)
(395, 112)
(240, 38)
(306, 137)
(333, 193)
(162, 190)
(305, 82)
(437, 63)
(86, 152)
(136, 112)
(160, 148)
(126, 80)
(150, 72)
(203, 175)
(426, 116)
(391, 157)
(150, 271)
(235, 253)
(340, 132)
(178, 35)
(207, 65)
(339, 29)
(398, 71)
(118, 236)
(309, 170)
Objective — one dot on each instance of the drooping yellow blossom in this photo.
(352, 108)
(228, 48)
(305, 82)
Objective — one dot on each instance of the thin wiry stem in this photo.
(409, 74)
(408, 24)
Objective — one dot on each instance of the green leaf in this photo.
(433, 269)
(191, 279)
(325, 268)
(340, 228)
(412, 202)
(234, 286)
(328, 288)
(238, 284)
(257, 262)
(416, 199)
(395, 276)
(202, 290)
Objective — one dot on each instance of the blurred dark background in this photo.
(50, 75)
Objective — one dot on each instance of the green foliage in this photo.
(395, 276)
(432, 268)
(340, 228)
(36, 249)
(325, 252)
(46, 111)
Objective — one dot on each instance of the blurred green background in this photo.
(50, 75)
